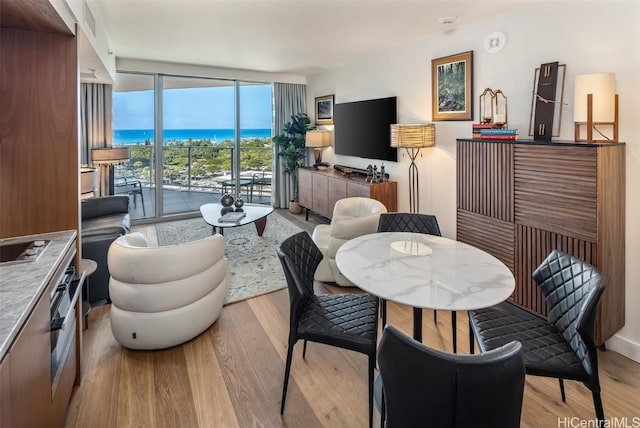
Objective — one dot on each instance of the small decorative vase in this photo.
(226, 201)
(239, 203)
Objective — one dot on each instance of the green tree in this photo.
(292, 150)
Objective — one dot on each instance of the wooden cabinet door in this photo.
(5, 392)
(357, 189)
(30, 358)
(320, 195)
(556, 189)
(305, 188)
(337, 191)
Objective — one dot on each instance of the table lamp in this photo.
(318, 140)
(595, 102)
(413, 138)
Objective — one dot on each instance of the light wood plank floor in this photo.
(231, 375)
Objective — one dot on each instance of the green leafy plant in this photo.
(291, 145)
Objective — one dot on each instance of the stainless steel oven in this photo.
(64, 297)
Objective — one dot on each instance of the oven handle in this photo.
(60, 323)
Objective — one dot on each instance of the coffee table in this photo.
(255, 213)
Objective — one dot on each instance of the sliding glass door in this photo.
(133, 126)
(214, 138)
(198, 148)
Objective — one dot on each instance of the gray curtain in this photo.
(96, 128)
(289, 99)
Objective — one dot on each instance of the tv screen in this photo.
(363, 128)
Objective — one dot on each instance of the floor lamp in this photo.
(106, 158)
(412, 138)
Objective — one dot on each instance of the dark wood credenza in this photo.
(320, 190)
(519, 200)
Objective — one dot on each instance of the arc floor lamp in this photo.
(413, 137)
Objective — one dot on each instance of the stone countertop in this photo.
(22, 284)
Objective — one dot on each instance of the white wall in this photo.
(588, 37)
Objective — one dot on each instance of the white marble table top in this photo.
(425, 271)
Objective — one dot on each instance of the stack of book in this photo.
(232, 217)
(498, 134)
(477, 127)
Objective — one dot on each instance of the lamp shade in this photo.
(413, 135)
(603, 88)
(110, 155)
(318, 139)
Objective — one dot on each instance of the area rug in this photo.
(253, 263)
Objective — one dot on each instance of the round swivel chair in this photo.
(352, 217)
(165, 296)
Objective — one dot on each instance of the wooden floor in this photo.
(231, 376)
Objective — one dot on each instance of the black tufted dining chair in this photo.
(348, 321)
(562, 346)
(410, 222)
(430, 388)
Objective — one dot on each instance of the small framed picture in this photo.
(451, 87)
(324, 110)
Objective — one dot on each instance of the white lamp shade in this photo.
(318, 139)
(413, 135)
(603, 88)
(110, 155)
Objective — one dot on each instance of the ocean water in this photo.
(133, 136)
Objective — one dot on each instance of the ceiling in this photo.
(299, 37)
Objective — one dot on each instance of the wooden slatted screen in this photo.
(485, 179)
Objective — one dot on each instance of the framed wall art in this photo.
(324, 110)
(452, 87)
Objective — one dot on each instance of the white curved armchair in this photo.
(352, 217)
(165, 296)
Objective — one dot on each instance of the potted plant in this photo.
(292, 151)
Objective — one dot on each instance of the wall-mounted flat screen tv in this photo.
(363, 128)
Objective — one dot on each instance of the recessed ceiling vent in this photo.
(89, 19)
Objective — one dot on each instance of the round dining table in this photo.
(425, 271)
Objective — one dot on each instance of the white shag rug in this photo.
(254, 265)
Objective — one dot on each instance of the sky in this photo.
(195, 108)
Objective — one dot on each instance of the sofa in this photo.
(103, 220)
(165, 296)
(352, 217)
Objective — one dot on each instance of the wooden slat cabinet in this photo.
(520, 200)
(320, 190)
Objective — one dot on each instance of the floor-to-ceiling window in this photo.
(134, 126)
(198, 141)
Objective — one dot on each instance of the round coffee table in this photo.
(255, 213)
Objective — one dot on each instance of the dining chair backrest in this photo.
(409, 222)
(300, 258)
(572, 289)
(424, 387)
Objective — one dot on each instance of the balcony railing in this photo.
(199, 168)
